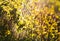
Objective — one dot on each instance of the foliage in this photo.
(29, 20)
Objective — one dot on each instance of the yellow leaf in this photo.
(8, 32)
(32, 35)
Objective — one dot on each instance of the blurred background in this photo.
(29, 20)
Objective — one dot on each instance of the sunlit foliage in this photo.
(29, 20)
